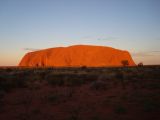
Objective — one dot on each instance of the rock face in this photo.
(77, 55)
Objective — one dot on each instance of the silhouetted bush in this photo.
(140, 64)
(74, 114)
(8, 82)
(125, 63)
(74, 80)
(98, 85)
(150, 105)
(65, 79)
(55, 79)
(119, 109)
(119, 75)
(95, 117)
(53, 98)
(84, 67)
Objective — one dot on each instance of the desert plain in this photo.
(80, 93)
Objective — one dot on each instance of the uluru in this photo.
(76, 56)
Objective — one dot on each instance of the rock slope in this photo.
(76, 56)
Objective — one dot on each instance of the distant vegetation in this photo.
(140, 64)
(80, 93)
(125, 62)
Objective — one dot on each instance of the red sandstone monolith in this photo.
(76, 56)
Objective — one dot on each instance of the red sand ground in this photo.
(105, 95)
(78, 55)
(85, 104)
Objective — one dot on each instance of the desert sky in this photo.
(28, 25)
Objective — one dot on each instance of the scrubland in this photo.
(118, 93)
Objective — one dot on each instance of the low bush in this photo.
(150, 105)
(11, 81)
(119, 109)
(55, 79)
(74, 80)
(53, 98)
(98, 85)
(65, 79)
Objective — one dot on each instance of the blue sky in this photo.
(132, 25)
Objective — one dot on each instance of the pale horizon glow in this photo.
(39, 24)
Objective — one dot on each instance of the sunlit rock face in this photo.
(76, 56)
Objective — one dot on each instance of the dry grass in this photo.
(80, 93)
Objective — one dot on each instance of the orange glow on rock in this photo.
(76, 56)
